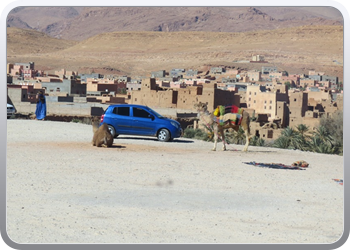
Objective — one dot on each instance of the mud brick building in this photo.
(298, 105)
(270, 101)
(264, 101)
(182, 98)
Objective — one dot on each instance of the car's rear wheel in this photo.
(112, 130)
(163, 135)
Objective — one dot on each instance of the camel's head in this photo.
(201, 107)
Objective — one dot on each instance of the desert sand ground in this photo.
(61, 189)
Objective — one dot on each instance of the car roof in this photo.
(127, 105)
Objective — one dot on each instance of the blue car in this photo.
(131, 119)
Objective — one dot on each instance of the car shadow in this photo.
(152, 139)
(116, 146)
(182, 141)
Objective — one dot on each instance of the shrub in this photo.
(189, 133)
(334, 126)
(76, 120)
(327, 139)
(196, 134)
(260, 142)
(281, 142)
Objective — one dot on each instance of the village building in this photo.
(132, 86)
(22, 71)
(306, 82)
(269, 101)
(158, 74)
(317, 78)
(258, 58)
(177, 73)
(64, 74)
(182, 98)
(229, 79)
(298, 105)
(313, 72)
(268, 69)
(264, 101)
(254, 76)
(292, 79)
(22, 93)
(191, 73)
(217, 70)
(84, 77)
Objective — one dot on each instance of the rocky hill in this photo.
(80, 23)
(296, 49)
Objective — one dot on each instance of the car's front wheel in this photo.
(112, 130)
(163, 135)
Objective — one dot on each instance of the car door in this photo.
(143, 122)
(121, 120)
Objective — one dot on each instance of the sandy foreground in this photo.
(61, 189)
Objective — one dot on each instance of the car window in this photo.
(121, 111)
(156, 114)
(139, 112)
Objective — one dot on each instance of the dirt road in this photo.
(62, 189)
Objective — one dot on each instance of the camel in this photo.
(219, 122)
(102, 135)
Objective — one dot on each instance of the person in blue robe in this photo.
(40, 111)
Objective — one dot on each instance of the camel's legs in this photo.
(223, 140)
(215, 142)
(247, 139)
(215, 138)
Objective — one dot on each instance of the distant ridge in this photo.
(296, 50)
(80, 23)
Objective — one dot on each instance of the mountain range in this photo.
(79, 23)
(137, 40)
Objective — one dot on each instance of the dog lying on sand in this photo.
(102, 137)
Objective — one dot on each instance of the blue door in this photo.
(121, 120)
(143, 122)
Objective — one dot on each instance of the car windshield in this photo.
(155, 113)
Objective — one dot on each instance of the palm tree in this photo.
(320, 141)
(323, 142)
(240, 136)
(334, 126)
(320, 146)
(323, 134)
(303, 129)
(254, 140)
(260, 142)
(281, 142)
(338, 148)
(288, 132)
(292, 137)
(302, 138)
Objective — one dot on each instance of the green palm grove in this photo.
(327, 138)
